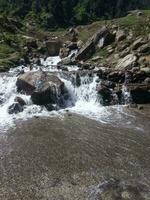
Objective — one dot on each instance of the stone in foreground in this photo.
(43, 88)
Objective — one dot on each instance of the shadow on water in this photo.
(75, 158)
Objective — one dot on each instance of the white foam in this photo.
(51, 62)
(83, 100)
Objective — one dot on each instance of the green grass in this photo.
(6, 49)
(140, 25)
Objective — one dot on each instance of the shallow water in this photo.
(85, 151)
(70, 157)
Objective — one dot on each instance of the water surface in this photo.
(72, 157)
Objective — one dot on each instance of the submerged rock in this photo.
(51, 107)
(17, 106)
(43, 88)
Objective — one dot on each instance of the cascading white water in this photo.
(8, 93)
(83, 99)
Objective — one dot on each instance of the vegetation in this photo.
(49, 18)
(62, 13)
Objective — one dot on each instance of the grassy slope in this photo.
(11, 49)
(140, 25)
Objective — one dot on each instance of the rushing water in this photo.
(85, 151)
(83, 99)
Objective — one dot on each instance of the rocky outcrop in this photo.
(102, 38)
(86, 51)
(43, 88)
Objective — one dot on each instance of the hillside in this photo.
(62, 13)
(15, 37)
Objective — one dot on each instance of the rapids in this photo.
(83, 99)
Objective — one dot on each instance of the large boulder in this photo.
(127, 62)
(86, 51)
(101, 38)
(43, 88)
(53, 47)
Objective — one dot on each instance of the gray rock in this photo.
(86, 51)
(120, 35)
(147, 80)
(20, 101)
(67, 61)
(51, 107)
(127, 62)
(64, 52)
(125, 52)
(101, 38)
(80, 44)
(96, 58)
(146, 70)
(43, 88)
(15, 108)
(139, 42)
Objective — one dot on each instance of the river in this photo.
(85, 151)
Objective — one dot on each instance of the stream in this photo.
(83, 151)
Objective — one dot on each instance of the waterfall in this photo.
(126, 96)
